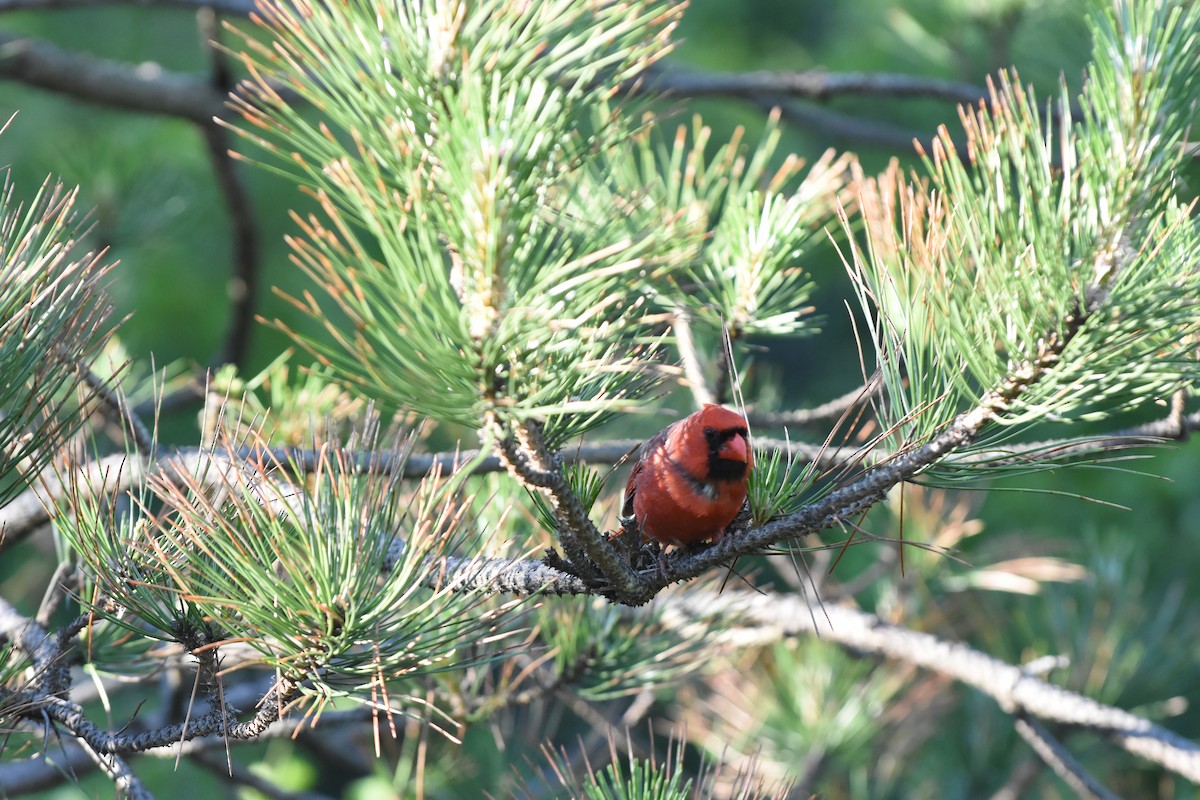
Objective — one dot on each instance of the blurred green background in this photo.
(1132, 628)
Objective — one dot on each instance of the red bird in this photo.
(690, 479)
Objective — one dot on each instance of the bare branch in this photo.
(1011, 686)
(822, 413)
(56, 591)
(146, 88)
(835, 126)
(235, 773)
(692, 368)
(812, 84)
(1059, 759)
(243, 283)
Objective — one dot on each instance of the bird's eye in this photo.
(710, 434)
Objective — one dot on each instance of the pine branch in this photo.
(587, 549)
(222, 722)
(72, 761)
(43, 648)
(520, 577)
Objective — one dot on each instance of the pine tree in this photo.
(509, 250)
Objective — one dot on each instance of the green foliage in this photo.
(1049, 273)
(603, 652)
(52, 312)
(641, 781)
(451, 138)
(630, 777)
(586, 482)
(623, 778)
(230, 551)
(745, 228)
(283, 410)
(778, 484)
(497, 239)
(813, 701)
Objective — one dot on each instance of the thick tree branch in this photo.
(587, 549)
(72, 761)
(42, 648)
(1011, 686)
(501, 575)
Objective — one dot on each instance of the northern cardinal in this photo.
(690, 480)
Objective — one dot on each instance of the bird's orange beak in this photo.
(735, 449)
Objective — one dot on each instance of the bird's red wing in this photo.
(658, 440)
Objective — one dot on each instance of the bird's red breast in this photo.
(690, 480)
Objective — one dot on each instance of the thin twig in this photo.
(811, 84)
(235, 773)
(114, 400)
(823, 413)
(128, 785)
(243, 283)
(56, 592)
(688, 355)
(837, 127)
(1058, 758)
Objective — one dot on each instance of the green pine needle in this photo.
(325, 580)
(52, 316)
(604, 654)
(1050, 264)
(586, 483)
(445, 153)
(779, 483)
